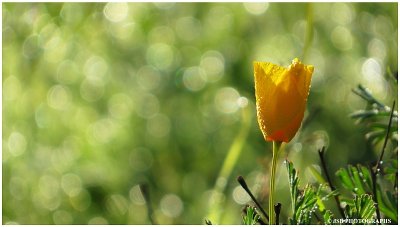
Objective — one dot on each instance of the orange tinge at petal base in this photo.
(281, 96)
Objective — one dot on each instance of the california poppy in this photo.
(281, 96)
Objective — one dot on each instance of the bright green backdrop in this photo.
(98, 98)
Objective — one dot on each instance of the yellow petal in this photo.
(281, 95)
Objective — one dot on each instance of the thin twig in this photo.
(321, 156)
(277, 209)
(242, 183)
(375, 192)
(318, 218)
(378, 168)
(378, 164)
(145, 192)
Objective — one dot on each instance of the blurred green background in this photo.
(98, 98)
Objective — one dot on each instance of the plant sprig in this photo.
(305, 202)
(251, 217)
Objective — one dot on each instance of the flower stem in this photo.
(275, 150)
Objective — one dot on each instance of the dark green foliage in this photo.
(327, 215)
(388, 201)
(364, 93)
(362, 207)
(356, 179)
(305, 202)
(251, 217)
(375, 116)
(380, 180)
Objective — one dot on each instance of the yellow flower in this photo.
(281, 96)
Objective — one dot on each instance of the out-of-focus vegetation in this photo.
(99, 98)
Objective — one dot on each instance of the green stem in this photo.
(275, 150)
